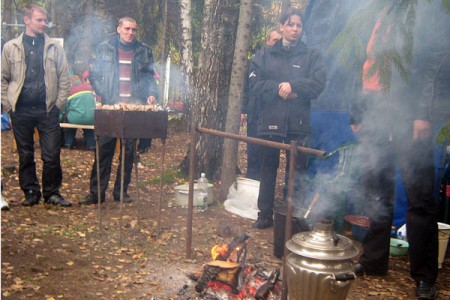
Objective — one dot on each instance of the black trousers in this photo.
(107, 147)
(381, 152)
(269, 168)
(254, 153)
(24, 121)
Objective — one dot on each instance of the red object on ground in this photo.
(361, 221)
(176, 106)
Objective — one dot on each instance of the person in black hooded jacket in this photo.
(284, 79)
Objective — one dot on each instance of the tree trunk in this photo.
(232, 125)
(85, 50)
(187, 62)
(163, 55)
(7, 14)
(207, 101)
(285, 4)
(51, 9)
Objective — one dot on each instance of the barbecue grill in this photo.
(130, 124)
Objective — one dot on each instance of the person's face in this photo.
(35, 24)
(292, 30)
(127, 31)
(273, 38)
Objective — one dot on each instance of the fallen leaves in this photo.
(51, 253)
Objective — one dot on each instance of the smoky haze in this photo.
(395, 111)
(83, 38)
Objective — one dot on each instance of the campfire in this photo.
(227, 276)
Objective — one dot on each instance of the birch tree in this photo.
(209, 89)
(232, 125)
(186, 51)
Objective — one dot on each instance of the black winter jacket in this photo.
(303, 69)
(104, 75)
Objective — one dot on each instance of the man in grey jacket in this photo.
(35, 85)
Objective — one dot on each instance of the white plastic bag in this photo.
(242, 199)
(401, 233)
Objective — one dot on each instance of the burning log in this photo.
(226, 252)
(223, 268)
(267, 286)
(209, 273)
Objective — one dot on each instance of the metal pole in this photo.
(122, 171)
(136, 171)
(191, 193)
(161, 185)
(262, 142)
(288, 224)
(246, 139)
(99, 193)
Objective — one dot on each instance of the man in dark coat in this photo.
(123, 72)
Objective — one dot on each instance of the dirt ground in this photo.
(71, 253)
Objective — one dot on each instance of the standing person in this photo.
(122, 73)
(249, 116)
(395, 128)
(284, 79)
(35, 86)
(79, 108)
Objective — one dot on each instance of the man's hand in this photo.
(151, 100)
(421, 130)
(243, 120)
(355, 127)
(284, 90)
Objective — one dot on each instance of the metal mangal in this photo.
(319, 264)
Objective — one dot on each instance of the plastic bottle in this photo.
(393, 232)
(202, 201)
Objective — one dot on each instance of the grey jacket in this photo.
(57, 82)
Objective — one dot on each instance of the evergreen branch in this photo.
(385, 73)
(443, 136)
(446, 5)
(399, 66)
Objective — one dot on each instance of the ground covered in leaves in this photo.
(112, 253)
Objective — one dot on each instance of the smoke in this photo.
(86, 35)
(387, 118)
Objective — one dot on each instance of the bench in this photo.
(70, 125)
(80, 126)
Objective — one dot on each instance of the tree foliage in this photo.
(394, 41)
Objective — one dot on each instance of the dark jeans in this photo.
(69, 137)
(254, 154)
(24, 120)
(144, 145)
(107, 146)
(415, 160)
(269, 168)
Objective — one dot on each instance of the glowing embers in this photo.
(228, 277)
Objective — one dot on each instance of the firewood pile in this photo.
(228, 276)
